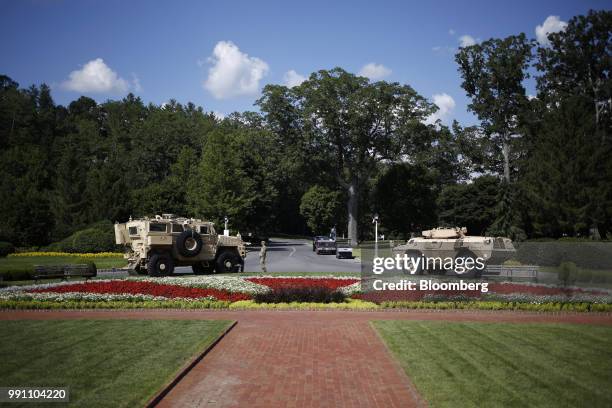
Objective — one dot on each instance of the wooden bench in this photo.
(64, 271)
(516, 272)
(80, 270)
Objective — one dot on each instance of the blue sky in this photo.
(220, 54)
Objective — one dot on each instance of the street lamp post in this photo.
(375, 222)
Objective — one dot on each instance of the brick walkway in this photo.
(289, 362)
(301, 359)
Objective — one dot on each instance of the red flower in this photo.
(145, 288)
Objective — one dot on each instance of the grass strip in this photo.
(500, 364)
(105, 363)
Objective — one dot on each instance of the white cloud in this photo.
(552, 24)
(374, 71)
(218, 115)
(451, 32)
(233, 72)
(292, 78)
(467, 40)
(96, 76)
(445, 104)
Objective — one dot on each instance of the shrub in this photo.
(82, 304)
(316, 294)
(17, 275)
(567, 273)
(490, 305)
(6, 248)
(99, 237)
(585, 254)
(350, 304)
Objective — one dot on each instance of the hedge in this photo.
(151, 304)
(350, 304)
(488, 305)
(98, 237)
(591, 255)
(6, 248)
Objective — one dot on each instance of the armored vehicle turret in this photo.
(154, 246)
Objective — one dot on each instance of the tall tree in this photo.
(566, 178)
(405, 197)
(493, 74)
(235, 177)
(320, 207)
(578, 62)
(353, 125)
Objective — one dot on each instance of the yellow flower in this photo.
(86, 255)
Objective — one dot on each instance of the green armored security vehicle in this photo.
(456, 245)
(154, 246)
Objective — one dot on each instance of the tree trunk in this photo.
(506, 154)
(353, 209)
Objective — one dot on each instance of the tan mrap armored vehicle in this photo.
(156, 245)
(454, 244)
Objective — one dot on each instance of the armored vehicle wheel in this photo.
(160, 265)
(189, 243)
(137, 270)
(472, 272)
(228, 262)
(200, 269)
(413, 257)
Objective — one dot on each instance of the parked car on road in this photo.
(325, 246)
(314, 241)
(344, 252)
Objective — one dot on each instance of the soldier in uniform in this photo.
(262, 257)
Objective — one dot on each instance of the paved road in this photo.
(293, 255)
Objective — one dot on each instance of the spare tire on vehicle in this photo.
(189, 243)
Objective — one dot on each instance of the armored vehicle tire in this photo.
(228, 262)
(160, 265)
(189, 243)
(414, 255)
(137, 270)
(200, 269)
(469, 273)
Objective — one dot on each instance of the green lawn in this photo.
(504, 365)
(105, 363)
(21, 264)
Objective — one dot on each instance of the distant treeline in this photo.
(335, 148)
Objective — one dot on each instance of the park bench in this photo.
(514, 272)
(64, 271)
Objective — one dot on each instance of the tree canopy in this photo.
(331, 151)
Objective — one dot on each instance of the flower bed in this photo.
(127, 287)
(298, 282)
(501, 291)
(225, 283)
(251, 292)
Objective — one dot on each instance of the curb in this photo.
(157, 398)
(262, 310)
